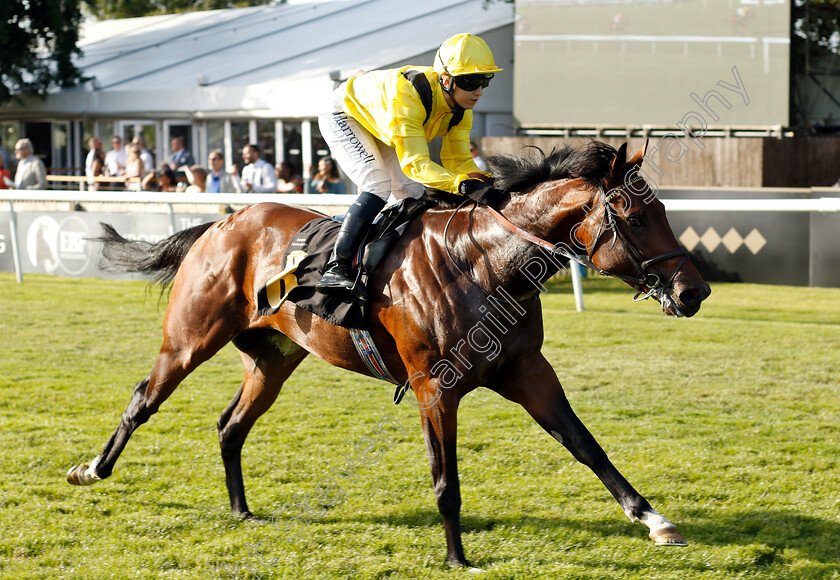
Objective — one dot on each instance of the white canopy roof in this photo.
(272, 61)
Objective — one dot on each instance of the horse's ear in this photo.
(640, 154)
(620, 157)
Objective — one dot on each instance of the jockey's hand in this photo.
(481, 191)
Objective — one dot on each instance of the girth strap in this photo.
(370, 355)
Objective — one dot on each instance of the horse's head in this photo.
(627, 235)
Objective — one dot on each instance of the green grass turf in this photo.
(727, 423)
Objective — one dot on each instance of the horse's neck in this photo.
(550, 212)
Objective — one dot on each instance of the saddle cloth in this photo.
(306, 257)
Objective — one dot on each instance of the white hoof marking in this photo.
(88, 476)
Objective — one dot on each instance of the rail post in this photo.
(577, 285)
(15, 247)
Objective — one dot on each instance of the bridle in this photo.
(645, 279)
(646, 283)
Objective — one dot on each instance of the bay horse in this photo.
(451, 270)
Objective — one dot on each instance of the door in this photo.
(40, 134)
(179, 130)
(146, 130)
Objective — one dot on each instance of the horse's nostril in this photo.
(691, 297)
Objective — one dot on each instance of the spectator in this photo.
(31, 173)
(163, 180)
(116, 158)
(327, 179)
(287, 181)
(5, 176)
(197, 177)
(477, 158)
(258, 174)
(94, 162)
(133, 167)
(179, 156)
(219, 180)
(145, 156)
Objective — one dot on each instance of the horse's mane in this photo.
(515, 173)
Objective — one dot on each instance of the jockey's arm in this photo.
(455, 151)
(413, 152)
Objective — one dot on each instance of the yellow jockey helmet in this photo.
(464, 54)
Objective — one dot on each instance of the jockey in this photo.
(379, 129)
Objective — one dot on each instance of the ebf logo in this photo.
(51, 244)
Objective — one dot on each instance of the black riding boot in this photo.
(338, 276)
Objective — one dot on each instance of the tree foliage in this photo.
(37, 42)
(816, 30)
(815, 46)
(106, 9)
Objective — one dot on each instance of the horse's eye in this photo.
(635, 220)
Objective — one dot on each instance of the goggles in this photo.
(471, 83)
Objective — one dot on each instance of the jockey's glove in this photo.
(481, 191)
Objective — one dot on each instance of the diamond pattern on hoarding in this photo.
(754, 241)
(710, 239)
(732, 240)
(689, 239)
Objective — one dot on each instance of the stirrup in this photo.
(336, 279)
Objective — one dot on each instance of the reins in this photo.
(469, 279)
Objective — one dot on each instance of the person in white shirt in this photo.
(31, 172)
(116, 158)
(95, 152)
(258, 175)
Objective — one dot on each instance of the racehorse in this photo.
(453, 270)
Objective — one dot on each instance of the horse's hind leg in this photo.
(269, 358)
(193, 333)
(534, 385)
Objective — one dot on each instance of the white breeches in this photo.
(367, 161)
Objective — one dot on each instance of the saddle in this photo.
(306, 257)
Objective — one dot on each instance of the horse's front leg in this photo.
(440, 426)
(534, 385)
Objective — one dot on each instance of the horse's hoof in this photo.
(668, 537)
(81, 475)
(84, 474)
(249, 517)
(456, 563)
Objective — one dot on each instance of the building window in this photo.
(292, 146)
(239, 134)
(265, 140)
(215, 136)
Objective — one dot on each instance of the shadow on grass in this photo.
(767, 533)
(815, 538)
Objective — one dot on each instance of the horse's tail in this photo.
(160, 260)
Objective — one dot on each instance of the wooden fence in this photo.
(715, 161)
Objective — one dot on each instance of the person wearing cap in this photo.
(379, 128)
